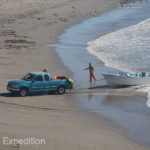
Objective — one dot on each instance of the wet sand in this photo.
(26, 26)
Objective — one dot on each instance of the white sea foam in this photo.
(145, 89)
(148, 96)
(127, 49)
(148, 100)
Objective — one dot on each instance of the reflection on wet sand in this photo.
(124, 106)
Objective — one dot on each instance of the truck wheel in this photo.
(24, 92)
(61, 90)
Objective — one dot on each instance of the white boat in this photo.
(126, 79)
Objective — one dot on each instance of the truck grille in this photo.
(10, 85)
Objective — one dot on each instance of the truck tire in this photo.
(24, 92)
(61, 89)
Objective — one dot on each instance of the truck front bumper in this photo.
(13, 89)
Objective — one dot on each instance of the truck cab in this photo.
(39, 82)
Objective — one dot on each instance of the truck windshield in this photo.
(29, 77)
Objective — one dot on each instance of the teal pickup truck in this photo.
(39, 82)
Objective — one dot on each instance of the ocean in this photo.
(127, 49)
(114, 41)
(118, 38)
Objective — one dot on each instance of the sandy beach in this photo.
(26, 26)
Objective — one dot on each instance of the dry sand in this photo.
(25, 27)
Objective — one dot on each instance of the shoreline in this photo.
(24, 31)
(18, 36)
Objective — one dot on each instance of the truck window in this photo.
(39, 78)
(46, 77)
(29, 77)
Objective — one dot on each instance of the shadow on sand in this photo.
(18, 95)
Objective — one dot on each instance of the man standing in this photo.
(91, 71)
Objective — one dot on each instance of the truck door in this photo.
(47, 82)
(38, 84)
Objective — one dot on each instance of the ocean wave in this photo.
(127, 49)
(145, 89)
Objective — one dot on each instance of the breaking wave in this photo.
(127, 49)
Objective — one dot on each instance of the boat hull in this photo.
(117, 81)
